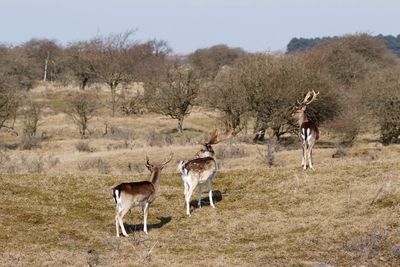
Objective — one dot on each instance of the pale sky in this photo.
(253, 25)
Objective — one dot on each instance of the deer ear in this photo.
(147, 164)
(303, 108)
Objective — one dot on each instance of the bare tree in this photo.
(82, 107)
(159, 47)
(273, 82)
(17, 67)
(110, 61)
(43, 54)
(78, 60)
(227, 94)
(9, 102)
(383, 99)
(31, 119)
(173, 92)
(209, 60)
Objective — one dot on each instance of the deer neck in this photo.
(303, 118)
(155, 178)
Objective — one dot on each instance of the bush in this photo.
(82, 108)
(267, 155)
(29, 142)
(390, 122)
(31, 119)
(82, 146)
(384, 101)
(346, 126)
(157, 139)
(100, 164)
(229, 151)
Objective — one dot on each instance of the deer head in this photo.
(300, 107)
(152, 167)
(207, 150)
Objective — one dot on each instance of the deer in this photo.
(201, 170)
(309, 132)
(128, 195)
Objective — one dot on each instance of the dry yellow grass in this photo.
(345, 213)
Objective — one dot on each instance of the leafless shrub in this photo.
(172, 92)
(267, 155)
(220, 165)
(367, 245)
(136, 167)
(11, 169)
(9, 100)
(83, 146)
(245, 138)
(386, 196)
(229, 151)
(29, 142)
(100, 164)
(123, 145)
(146, 256)
(340, 152)
(3, 156)
(52, 161)
(92, 257)
(31, 119)
(157, 139)
(35, 165)
(82, 107)
(396, 251)
(118, 133)
(133, 104)
(346, 125)
(369, 154)
(388, 112)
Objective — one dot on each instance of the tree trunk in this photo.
(84, 82)
(180, 125)
(113, 87)
(46, 63)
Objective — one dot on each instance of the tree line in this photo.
(357, 76)
(301, 44)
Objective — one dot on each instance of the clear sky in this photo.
(187, 25)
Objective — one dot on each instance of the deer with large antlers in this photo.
(201, 170)
(309, 132)
(128, 195)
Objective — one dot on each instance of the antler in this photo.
(213, 137)
(166, 161)
(309, 94)
(147, 164)
(229, 135)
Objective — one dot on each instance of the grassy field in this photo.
(56, 206)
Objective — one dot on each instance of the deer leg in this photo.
(310, 156)
(188, 196)
(199, 190)
(119, 216)
(145, 213)
(185, 188)
(302, 157)
(305, 155)
(210, 193)
(117, 224)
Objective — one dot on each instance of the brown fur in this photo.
(312, 126)
(143, 191)
(200, 164)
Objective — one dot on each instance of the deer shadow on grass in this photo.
(131, 228)
(205, 201)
